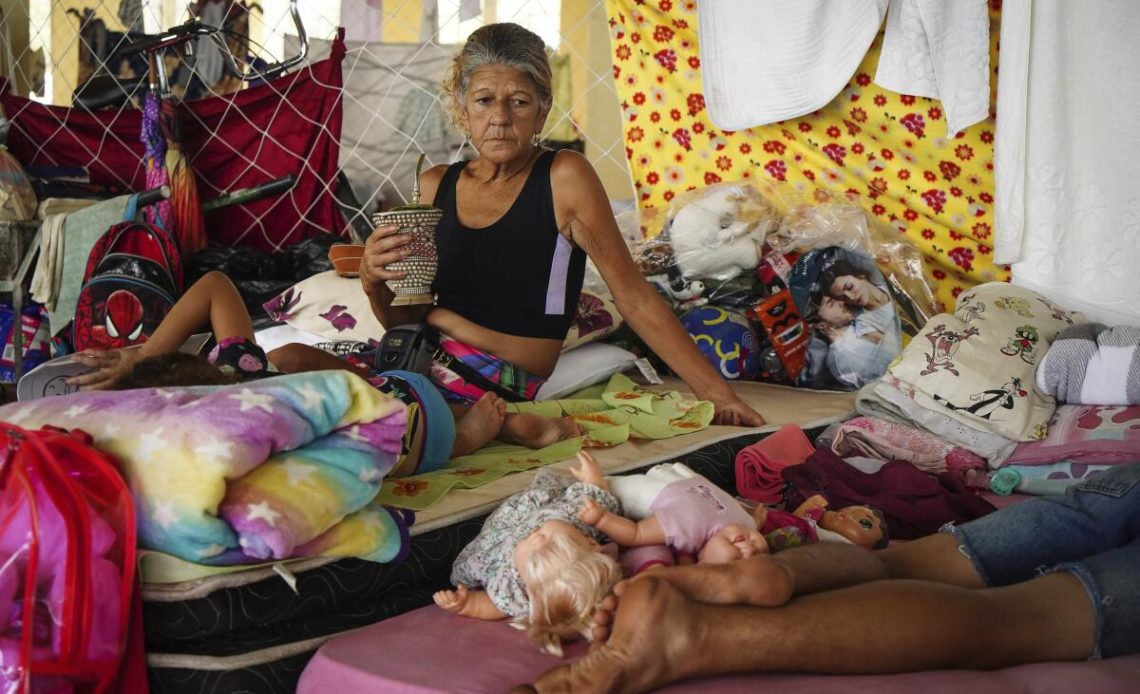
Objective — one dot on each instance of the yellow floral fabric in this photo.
(888, 151)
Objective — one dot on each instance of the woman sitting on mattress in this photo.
(435, 434)
(518, 223)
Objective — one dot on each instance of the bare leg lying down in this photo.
(687, 621)
(1063, 571)
(661, 635)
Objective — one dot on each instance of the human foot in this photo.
(535, 431)
(649, 645)
(479, 425)
(758, 580)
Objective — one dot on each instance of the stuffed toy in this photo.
(681, 292)
(819, 225)
(718, 235)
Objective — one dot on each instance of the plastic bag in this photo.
(260, 276)
(67, 539)
(17, 197)
(761, 249)
(718, 234)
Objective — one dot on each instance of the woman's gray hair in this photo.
(497, 44)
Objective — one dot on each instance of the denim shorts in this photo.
(1092, 531)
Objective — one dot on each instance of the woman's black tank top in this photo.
(518, 276)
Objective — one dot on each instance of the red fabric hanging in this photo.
(291, 125)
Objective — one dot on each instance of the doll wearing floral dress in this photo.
(534, 561)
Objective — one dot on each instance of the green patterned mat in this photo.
(609, 415)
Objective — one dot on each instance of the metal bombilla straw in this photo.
(416, 184)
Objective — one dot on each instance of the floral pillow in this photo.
(328, 305)
(596, 317)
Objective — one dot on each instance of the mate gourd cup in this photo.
(419, 222)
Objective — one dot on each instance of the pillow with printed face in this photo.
(328, 305)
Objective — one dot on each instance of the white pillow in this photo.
(276, 336)
(584, 366)
(337, 309)
(328, 305)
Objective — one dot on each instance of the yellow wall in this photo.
(65, 46)
(16, 20)
(401, 21)
(585, 34)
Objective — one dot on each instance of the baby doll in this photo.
(812, 522)
(536, 562)
(672, 505)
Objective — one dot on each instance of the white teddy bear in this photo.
(719, 235)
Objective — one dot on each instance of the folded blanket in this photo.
(1090, 434)
(888, 401)
(976, 365)
(248, 472)
(1092, 364)
(759, 466)
(878, 438)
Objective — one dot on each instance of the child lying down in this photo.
(436, 431)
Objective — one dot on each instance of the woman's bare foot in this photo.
(535, 431)
(649, 646)
(755, 581)
(480, 425)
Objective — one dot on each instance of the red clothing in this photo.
(783, 529)
(288, 126)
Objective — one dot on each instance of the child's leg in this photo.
(213, 302)
(478, 424)
(535, 431)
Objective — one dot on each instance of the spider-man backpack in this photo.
(132, 279)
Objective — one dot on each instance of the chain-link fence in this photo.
(74, 69)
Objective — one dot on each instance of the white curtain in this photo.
(1067, 153)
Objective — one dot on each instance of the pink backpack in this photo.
(67, 558)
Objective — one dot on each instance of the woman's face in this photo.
(853, 290)
(502, 112)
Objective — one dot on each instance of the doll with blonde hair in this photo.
(536, 563)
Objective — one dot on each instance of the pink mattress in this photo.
(429, 650)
